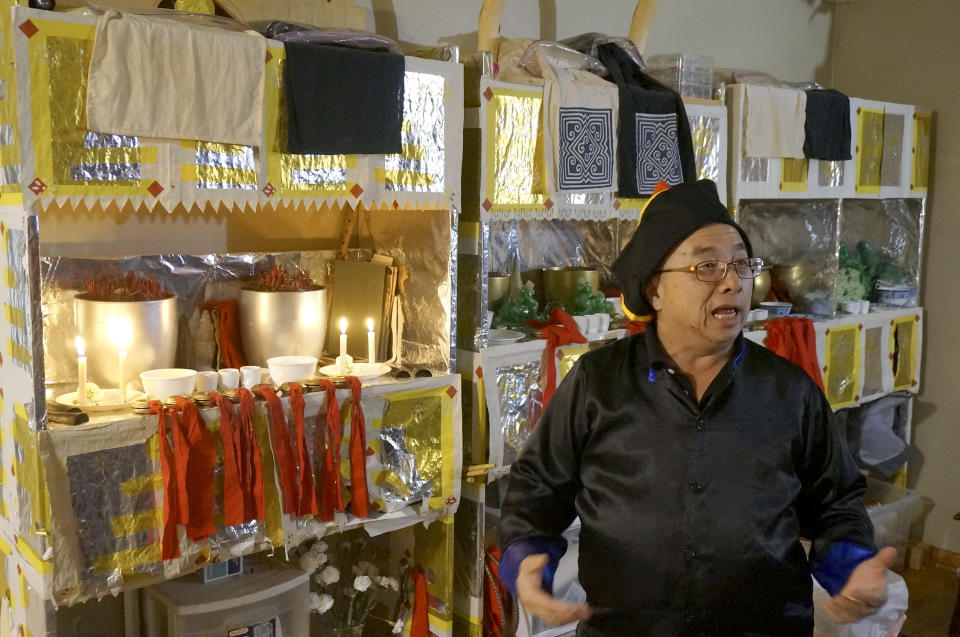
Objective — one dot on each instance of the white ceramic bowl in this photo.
(161, 383)
(776, 309)
(898, 295)
(289, 369)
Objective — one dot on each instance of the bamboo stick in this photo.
(640, 24)
(488, 29)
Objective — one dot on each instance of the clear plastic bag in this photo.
(589, 43)
(558, 56)
(295, 32)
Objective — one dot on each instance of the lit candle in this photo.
(371, 349)
(122, 374)
(344, 362)
(81, 372)
(121, 337)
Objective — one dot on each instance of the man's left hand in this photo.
(865, 592)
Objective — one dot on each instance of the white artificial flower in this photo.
(309, 562)
(398, 627)
(314, 601)
(325, 603)
(366, 568)
(361, 583)
(330, 575)
(390, 582)
(319, 547)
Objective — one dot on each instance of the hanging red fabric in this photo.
(169, 542)
(282, 451)
(359, 500)
(559, 330)
(308, 496)
(233, 484)
(795, 339)
(328, 438)
(420, 622)
(253, 460)
(200, 466)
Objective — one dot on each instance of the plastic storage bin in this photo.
(265, 601)
(892, 510)
(689, 75)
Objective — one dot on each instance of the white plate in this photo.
(363, 371)
(104, 400)
(502, 337)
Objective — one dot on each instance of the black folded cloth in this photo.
(64, 415)
(827, 125)
(342, 101)
(663, 147)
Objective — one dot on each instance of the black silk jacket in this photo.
(691, 514)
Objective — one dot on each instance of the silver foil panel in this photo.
(520, 396)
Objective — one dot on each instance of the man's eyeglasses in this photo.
(713, 271)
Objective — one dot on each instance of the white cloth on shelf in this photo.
(773, 121)
(157, 77)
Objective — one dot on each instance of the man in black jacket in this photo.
(694, 458)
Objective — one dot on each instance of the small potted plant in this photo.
(346, 586)
(283, 312)
(132, 312)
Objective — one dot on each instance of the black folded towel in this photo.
(342, 100)
(827, 125)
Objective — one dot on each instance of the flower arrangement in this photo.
(279, 279)
(345, 588)
(131, 286)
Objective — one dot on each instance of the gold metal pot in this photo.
(498, 286)
(560, 284)
(150, 325)
(761, 287)
(282, 324)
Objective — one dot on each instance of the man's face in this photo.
(696, 313)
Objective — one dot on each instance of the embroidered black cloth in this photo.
(342, 100)
(653, 141)
(827, 125)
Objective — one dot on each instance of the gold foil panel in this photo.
(420, 167)
(512, 169)
(869, 149)
(567, 356)
(841, 376)
(221, 166)
(9, 142)
(793, 174)
(903, 349)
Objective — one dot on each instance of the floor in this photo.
(933, 594)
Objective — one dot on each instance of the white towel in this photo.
(580, 115)
(773, 124)
(157, 77)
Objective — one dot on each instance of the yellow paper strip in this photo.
(136, 522)
(143, 484)
(18, 351)
(15, 316)
(31, 556)
(128, 559)
(9, 276)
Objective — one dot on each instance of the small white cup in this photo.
(864, 307)
(207, 381)
(250, 375)
(230, 377)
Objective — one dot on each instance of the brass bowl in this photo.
(560, 284)
(761, 287)
(498, 286)
(797, 279)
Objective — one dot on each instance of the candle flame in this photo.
(120, 331)
(79, 344)
(369, 324)
(343, 325)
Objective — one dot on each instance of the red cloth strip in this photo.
(200, 466)
(359, 500)
(419, 623)
(233, 483)
(328, 447)
(308, 496)
(559, 330)
(169, 543)
(282, 451)
(795, 339)
(253, 459)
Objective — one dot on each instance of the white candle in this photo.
(122, 374)
(371, 348)
(81, 372)
(342, 359)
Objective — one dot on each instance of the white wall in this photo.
(787, 38)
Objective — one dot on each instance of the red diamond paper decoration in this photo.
(548, 204)
(29, 28)
(616, 204)
(451, 391)
(478, 371)
(451, 501)
(487, 205)
(487, 93)
(269, 57)
(37, 186)
(356, 191)
(155, 188)
(268, 190)
(396, 204)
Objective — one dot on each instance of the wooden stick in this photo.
(488, 29)
(347, 231)
(640, 24)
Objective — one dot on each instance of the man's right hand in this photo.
(538, 602)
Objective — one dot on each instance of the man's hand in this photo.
(865, 592)
(540, 603)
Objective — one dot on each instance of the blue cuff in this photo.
(834, 570)
(523, 548)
